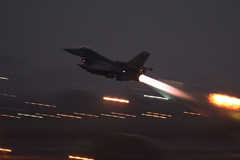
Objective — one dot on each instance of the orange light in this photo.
(164, 87)
(116, 100)
(224, 101)
(8, 95)
(5, 150)
(123, 114)
(81, 158)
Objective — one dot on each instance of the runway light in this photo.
(109, 115)
(164, 87)
(192, 113)
(69, 116)
(8, 95)
(224, 101)
(123, 114)
(156, 97)
(47, 115)
(10, 116)
(4, 78)
(81, 158)
(29, 115)
(40, 104)
(155, 116)
(160, 114)
(5, 150)
(116, 100)
(84, 114)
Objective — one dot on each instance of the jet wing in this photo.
(85, 53)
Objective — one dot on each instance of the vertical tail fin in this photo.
(138, 61)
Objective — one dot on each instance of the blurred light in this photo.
(84, 114)
(10, 116)
(5, 150)
(155, 116)
(123, 114)
(116, 100)
(14, 109)
(224, 101)
(69, 116)
(164, 87)
(81, 158)
(235, 115)
(160, 114)
(156, 97)
(40, 104)
(192, 113)
(109, 115)
(29, 115)
(8, 95)
(4, 78)
(46, 115)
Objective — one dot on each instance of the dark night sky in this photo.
(190, 41)
(196, 42)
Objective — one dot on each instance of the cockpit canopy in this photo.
(85, 48)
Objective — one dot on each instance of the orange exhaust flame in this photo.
(224, 101)
(164, 87)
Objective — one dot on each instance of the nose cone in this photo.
(75, 51)
(69, 50)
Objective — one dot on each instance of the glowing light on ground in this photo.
(40, 104)
(81, 158)
(155, 116)
(116, 100)
(123, 114)
(164, 87)
(114, 116)
(69, 116)
(155, 97)
(4, 78)
(160, 114)
(192, 113)
(29, 115)
(10, 116)
(8, 95)
(5, 150)
(47, 115)
(84, 114)
(224, 101)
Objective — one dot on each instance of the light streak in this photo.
(224, 101)
(4, 78)
(109, 115)
(10, 116)
(192, 113)
(116, 100)
(40, 104)
(47, 115)
(84, 114)
(69, 116)
(155, 116)
(123, 114)
(155, 97)
(160, 114)
(8, 95)
(81, 158)
(29, 115)
(5, 150)
(164, 87)
(15, 109)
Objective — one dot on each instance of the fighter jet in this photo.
(98, 64)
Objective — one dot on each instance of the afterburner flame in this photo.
(164, 87)
(224, 101)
